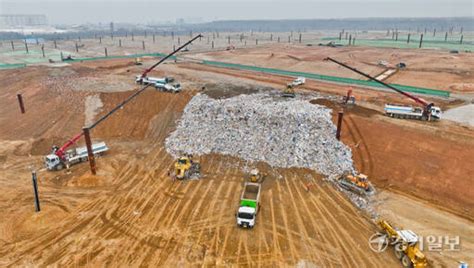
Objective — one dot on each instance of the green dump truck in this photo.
(249, 205)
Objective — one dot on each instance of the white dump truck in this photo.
(249, 205)
(410, 112)
(57, 161)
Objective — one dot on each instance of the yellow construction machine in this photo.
(256, 176)
(288, 92)
(138, 61)
(405, 244)
(358, 184)
(185, 167)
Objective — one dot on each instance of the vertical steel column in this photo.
(20, 101)
(339, 125)
(90, 154)
(35, 190)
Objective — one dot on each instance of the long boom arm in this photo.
(416, 99)
(144, 74)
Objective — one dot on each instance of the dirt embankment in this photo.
(426, 159)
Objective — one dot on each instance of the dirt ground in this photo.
(132, 214)
(429, 69)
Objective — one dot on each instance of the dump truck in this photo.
(57, 161)
(410, 112)
(249, 205)
(405, 244)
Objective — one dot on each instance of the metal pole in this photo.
(105, 50)
(42, 49)
(339, 124)
(13, 46)
(143, 45)
(20, 101)
(421, 40)
(90, 154)
(35, 190)
(26, 46)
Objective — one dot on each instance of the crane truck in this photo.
(249, 205)
(60, 157)
(428, 112)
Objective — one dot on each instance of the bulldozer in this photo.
(138, 61)
(358, 184)
(406, 245)
(185, 167)
(289, 92)
(256, 176)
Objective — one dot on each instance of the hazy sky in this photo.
(74, 11)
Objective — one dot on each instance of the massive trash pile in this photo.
(261, 127)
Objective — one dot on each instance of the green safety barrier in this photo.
(12, 65)
(123, 57)
(426, 91)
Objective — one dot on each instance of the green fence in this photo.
(124, 57)
(426, 91)
(428, 43)
(11, 66)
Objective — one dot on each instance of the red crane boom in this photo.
(61, 151)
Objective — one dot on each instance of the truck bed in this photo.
(250, 192)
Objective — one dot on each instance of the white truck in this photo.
(168, 87)
(298, 81)
(410, 112)
(73, 156)
(249, 205)
(152, 80)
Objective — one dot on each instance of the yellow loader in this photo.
(405, 244)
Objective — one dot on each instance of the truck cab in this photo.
(246, 217)
(435, 112)
(52, 162)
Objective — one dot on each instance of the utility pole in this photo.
(35, 191)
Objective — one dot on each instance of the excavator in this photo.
(185, 167)
(358, 184)
(406, 245)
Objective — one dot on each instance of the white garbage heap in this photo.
(260, 127)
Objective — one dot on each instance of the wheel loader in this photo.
(405, 245)
(185, 167)
(358, 184)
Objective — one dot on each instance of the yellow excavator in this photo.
(185, 167)
(405, 244)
